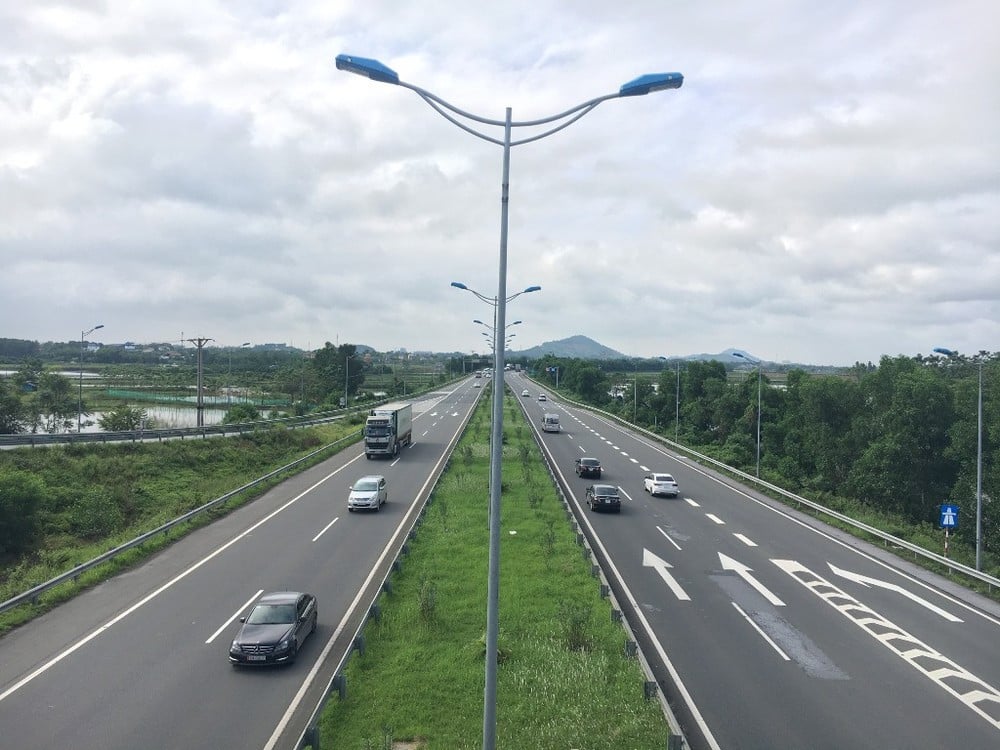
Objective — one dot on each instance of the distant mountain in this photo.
(579, 347)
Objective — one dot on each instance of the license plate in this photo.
(256, 657)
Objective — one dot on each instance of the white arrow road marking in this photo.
(649, 560)
(953, 678)
(743, 571)
(866, 581)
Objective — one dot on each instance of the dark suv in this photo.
(588, 467)
(604, 497)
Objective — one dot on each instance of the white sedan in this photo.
(657, 483)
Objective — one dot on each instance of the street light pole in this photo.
(979, 456)
(759, 382)
(79, 411)
(347, 374)
(641, 86)
(677, 409)
(229, 377)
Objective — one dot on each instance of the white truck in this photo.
(387, 429)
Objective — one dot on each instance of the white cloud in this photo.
(824, 188)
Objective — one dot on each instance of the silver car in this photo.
(657, 483)
(368, 493)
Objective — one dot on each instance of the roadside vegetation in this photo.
(62, 506)
(563, 679)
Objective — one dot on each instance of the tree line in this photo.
(900, 437)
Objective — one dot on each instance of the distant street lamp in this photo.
(979, 456)
(229, 377)
(79, 411)
(677, 401)
(759, 364)
(347, 374)
(641, 86)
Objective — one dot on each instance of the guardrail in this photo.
(624, 616)
(309, 420)
(310, 737)
(32, 594)
(37, 439)
(915, 549)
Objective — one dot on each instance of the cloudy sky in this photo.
(824, 188)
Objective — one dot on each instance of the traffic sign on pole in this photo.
(949, 517)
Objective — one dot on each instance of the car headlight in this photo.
(235, 646)
(285, 644)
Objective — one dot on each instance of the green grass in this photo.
(97, 497)
(563, 681)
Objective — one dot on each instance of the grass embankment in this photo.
(91, 498)
(563, 681)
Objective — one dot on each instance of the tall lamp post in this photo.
(757, 362)
(979, 456)
(229, 377)
(646, 84)
(79, 411)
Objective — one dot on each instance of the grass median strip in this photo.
(564, 680)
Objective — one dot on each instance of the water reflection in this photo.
(169, 417)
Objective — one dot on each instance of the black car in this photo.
(588, 467)
(604, 497)
(274, 630)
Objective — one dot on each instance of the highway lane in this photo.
(142, 659)
(785, 633)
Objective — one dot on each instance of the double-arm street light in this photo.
(79, 411)
(646, 84)
(979, 456)
(759, 364)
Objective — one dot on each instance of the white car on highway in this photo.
(658, 483)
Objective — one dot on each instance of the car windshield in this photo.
(662, 478)
(605, 489)
(589, 462)
(366, 485)
(272, 614)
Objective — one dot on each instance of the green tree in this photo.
(905, 466)
(238, 413)
(21, 495)
(11, 411)
(123, 418)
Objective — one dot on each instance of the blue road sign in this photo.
(949, 517)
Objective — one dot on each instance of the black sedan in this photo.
(588, 467)
(604, 497)
(274, 630)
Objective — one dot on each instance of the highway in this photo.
(769, 629)
(141, 659)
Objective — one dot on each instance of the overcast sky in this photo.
(824, 188)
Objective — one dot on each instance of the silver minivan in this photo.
(550, 423)
(369, 493)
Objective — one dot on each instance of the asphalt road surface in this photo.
(769, 629)
(142, 659)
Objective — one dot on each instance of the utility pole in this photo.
(200, 343)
